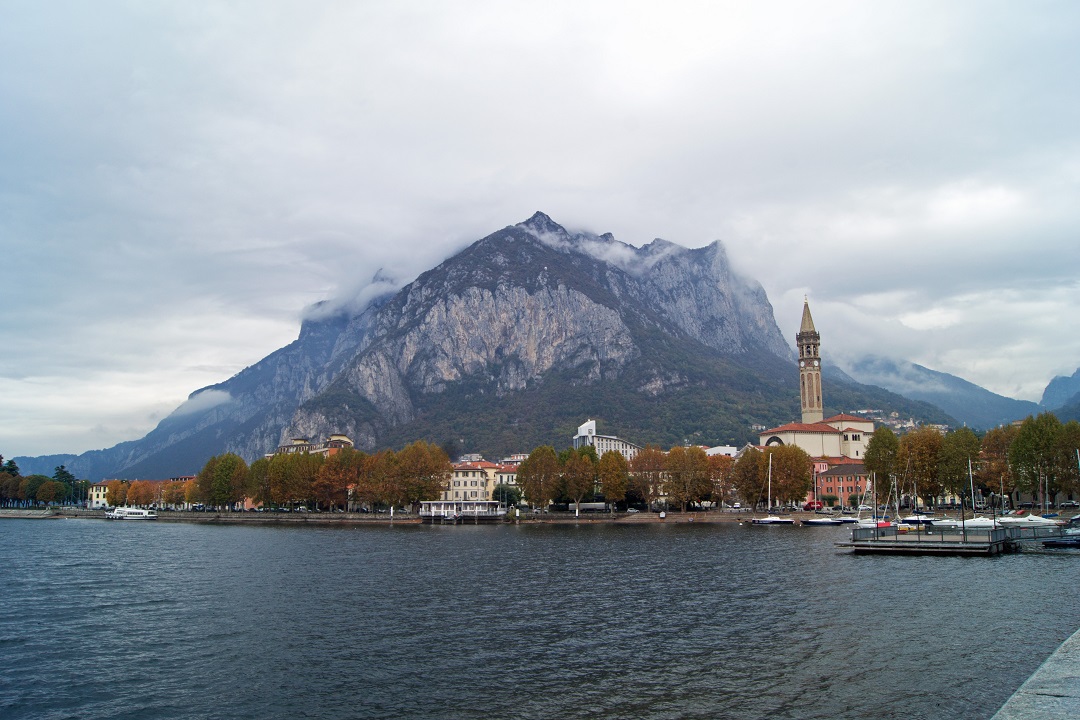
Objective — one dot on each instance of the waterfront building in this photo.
(96, 498)
(586, 435)
(477, 480)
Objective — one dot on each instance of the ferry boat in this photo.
(126, 513)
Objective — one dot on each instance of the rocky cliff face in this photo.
(533, 299)
(512, 340)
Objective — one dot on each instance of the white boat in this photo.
(126, 513)
(824, 521)
(771, 519)
(1027, 521)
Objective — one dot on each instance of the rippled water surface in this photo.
(171, 620)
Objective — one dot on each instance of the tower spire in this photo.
(809, 342)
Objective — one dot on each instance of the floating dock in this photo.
(889, 541)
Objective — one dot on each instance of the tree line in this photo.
(388, 478)
(1038, 456)
(19, 491)
(682, 477)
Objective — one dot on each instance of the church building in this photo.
(830, 442)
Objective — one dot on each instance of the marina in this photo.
(959, 540)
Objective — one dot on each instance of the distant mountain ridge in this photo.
(1062, 391)
(510, 344)
(968, 403)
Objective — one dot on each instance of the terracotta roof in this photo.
(482, 465)
(804, 427)
(842, 417)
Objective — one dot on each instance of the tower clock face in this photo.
(815, 363)
(802, 363)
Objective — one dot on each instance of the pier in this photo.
(888, 540)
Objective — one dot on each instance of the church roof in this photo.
(807, 321)
(847, 418)
(804, 428)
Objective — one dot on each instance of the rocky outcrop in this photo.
(511, 312)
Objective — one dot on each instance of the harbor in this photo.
(957, 540)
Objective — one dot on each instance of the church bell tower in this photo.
(809, 343)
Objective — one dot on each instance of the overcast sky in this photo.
(179, 180)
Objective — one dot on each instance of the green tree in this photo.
(508, 495)
(1067, 454)
(613, 472)
(1033, 455)
(538, 476)
(10, 467)
(222, 479)
(881, 457)
(918, 456)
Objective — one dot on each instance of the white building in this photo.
(586, 435)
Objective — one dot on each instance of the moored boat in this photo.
(126, 513)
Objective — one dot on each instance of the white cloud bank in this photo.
(179, 181)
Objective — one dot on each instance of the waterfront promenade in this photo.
(1053, 692)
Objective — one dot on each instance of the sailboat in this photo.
(823, 519)
(771, 519)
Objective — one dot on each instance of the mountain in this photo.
(511, 344)
(1062, 391)
(970, 404)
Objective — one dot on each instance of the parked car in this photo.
(1069, 504)
(865, 508)
(813, 505)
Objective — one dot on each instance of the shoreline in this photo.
(310, 518)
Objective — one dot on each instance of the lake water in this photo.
(171, 620)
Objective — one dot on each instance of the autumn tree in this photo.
(749, 477)
(613, 472)
(687, 475)
(578, 477)
(115, 493)
(141, 492)
(918, 458)
(421, 471)
(958, 449)
(51, 491)
(335, 476)
(538, 476)
(880, 458)
(721, 475)
(994, 473)
(792, 472)
(371, 478)
(173, 493)
(257, 484)
(291, 476)
(647, 474)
